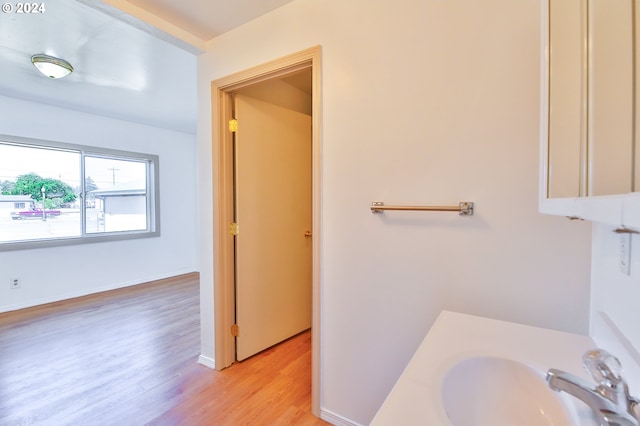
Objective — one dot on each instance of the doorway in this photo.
(223, 91)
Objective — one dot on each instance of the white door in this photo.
(273, 212)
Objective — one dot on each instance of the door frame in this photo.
(223, 203)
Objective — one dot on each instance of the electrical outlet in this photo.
(625, 254)
(15, 282)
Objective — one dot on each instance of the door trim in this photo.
(223, 253)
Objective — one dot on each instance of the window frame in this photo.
(152, 198)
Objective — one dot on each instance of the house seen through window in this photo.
(62, 193)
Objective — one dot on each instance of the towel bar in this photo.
(464, 208)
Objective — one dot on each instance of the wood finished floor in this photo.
(129, 357)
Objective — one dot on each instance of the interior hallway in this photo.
(129, 357)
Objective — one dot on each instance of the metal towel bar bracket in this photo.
(464, 208)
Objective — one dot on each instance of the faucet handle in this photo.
(603, 367)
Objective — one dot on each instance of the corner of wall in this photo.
(615, 296)
(207, 361)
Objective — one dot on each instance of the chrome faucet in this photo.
(609, 399)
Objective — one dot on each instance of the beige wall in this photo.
(278, 92)
(424, 102)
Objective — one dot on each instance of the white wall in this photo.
(614, 302)
(57, 273)
(424, 102)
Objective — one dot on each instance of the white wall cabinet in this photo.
(589, 117)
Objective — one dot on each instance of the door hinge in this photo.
(234, 229)
(233, 125)
(235, 330)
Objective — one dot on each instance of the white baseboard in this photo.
(73, 294)
(336, 419)
(207, 362)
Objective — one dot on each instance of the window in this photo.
(55, 194)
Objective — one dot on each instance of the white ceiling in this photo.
(133, 60)
(205, 19)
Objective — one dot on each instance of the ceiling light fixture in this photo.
(51, 67)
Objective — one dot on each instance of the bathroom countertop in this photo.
(416, 396)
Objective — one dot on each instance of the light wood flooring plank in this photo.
(129, 357)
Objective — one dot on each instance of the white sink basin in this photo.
(497, 391)
(476, 371)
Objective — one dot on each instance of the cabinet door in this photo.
(589, 124)
(611, 96)
(567, 133)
